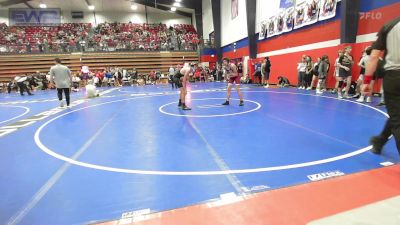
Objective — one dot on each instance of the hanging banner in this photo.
(280, 22)
(263, 30)
(272, 31)
(34, 17)
(288, 19)
(300, 15)
(327, 9)
(312, 11)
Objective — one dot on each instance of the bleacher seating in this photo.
(144, 62)
(71, 37)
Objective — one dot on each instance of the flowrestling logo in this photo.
(326, 175)
(33, 17)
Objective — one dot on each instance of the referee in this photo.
(388, 42)
(61, 76)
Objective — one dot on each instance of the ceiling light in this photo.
(134, 7)
(42, 6)
(177, 4)
(173, 9)
(91, 7)
(178, 0)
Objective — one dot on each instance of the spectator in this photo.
(83, 44)
(171, 73)
(337, 67)
(10, 86)
(301, 68)
(266, 70)
(283, 82)
(28, 47)
(75, 83)
(323, 69)
(345, 64)
(315, 73)
(309, 73)
(257, 74)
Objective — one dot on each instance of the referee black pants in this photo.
(391, 88)
(66, 92)
(22, 87)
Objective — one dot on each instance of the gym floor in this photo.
(133, 149)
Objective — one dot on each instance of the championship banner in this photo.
(280, 22)
(288, 20)
(312, 11)
(327, 9)
(263, 30)
(300, 14)
(272, 31)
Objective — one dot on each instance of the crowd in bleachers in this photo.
(71, 37)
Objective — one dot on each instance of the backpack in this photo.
(353, 87)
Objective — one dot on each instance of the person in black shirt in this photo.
(240, 69)
(266, 70)
(345, 64)
(257, 74)
(315, 73)
(10, 86)
(219, 73)
(309, 73)
(388, 42)
(283, 82)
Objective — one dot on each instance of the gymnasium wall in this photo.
(315, 40)
(4, 16)
(324, 38)
(233, 29)
(208, 55)
(154, 16)
(266, 9)
(208, 25)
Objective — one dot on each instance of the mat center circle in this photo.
(210, 107)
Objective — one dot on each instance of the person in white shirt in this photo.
(171, 73)
(83, 44)
(337, 67)
(91, 90)
(301, 69)
(75, 83)
(60, 75)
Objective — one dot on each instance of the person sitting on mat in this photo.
(283, 82)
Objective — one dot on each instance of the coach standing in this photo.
(60, 75)
(388, 42)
